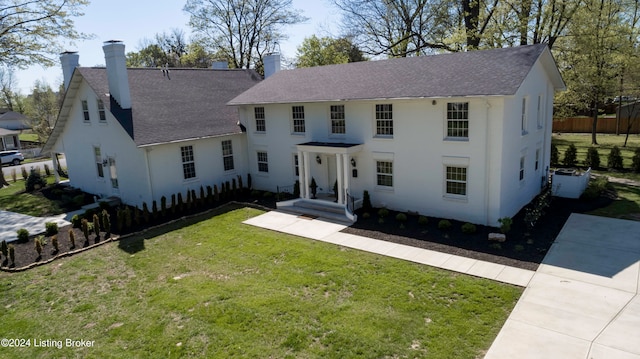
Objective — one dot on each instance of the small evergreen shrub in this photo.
(85, 229)
(12, 254)
(614, 160)
(234, 187)
(72, 238)
(216, 194)
(96, 225)
(23, 235)
(54, 243)
(593, 158)
(24, 173)
(595, 188)
(174, 205)
(401, 217)
(209, 195)
(249, 184)
(128, 220)
(227, 188)
(366, 202)
(256, 193)
(154, 209)
(4, 249)
(35, 181)
(137, 216)
(38, 245)
(163, 206)
(14, 175)
(366, 215)
(570, 156)
(223, 191)
(180, 202)
(635, 161)
(267, 194)
(505, 224)
(555, 156)
(423, 220)
(202, 197)
(106, 223)
(444, 224)
(383, 212)
(76, 221)
(51, 228)
(194, 199)
(78, 200)
(495, 245)
(469, 228)
(47, 170)
(296, 189)
(240, 187)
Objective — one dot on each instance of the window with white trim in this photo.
(98, 156)
(457, 119)
(261, 125)
(296, 166)
(337, 119)
(263, 162)
(188, 162)
(297, 114)
(524, 116)
(101, 114)
(456, 180)
(540, 114)
(227, 155)
(384, 120)
(522, 168)
(384, 173)
(85, 111)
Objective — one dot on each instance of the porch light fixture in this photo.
(353, 162)
(319, 160)
(104, 163)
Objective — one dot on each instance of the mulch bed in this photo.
(523, 249)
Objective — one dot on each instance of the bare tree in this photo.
(30, 30)
(241, 30)
(9, 97)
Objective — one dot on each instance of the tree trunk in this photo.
(594, 126)
(3, 182)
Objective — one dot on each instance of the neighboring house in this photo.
(463, 135)
(140, 134)
(11, 123)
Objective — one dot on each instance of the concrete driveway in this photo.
(10, 222)
(583, 301)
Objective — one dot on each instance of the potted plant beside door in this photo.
(314, 188)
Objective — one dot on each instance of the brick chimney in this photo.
(271, 64)
(69, 61)
(117, 72)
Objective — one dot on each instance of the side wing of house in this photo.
(101, 157)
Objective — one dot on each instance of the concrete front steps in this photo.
(317, 208)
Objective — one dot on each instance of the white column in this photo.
(345, 164)
(301, 176)
(340, 178)
(307, 176)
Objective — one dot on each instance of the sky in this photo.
(134, 20)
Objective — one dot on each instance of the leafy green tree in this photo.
(31, 31)
(242, 31)
(10, 97)
(42, 108)
(315, 51)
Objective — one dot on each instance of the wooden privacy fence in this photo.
(605, 125)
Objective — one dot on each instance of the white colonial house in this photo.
(140, 134)
(463, 136)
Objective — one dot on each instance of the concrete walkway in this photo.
(581, 303)
(330, 232)
(10, 222)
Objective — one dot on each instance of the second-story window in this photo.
(297, 114)
(85, 111)
(227, 155)
(261, 125)
(384, 120)
(101, 114)
(458, 120)
(337, 119)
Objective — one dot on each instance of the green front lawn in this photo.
(219, 289)
(14, 199)
(626, 206)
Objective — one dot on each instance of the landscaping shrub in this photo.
(76, 221)
(174, 205)
(12, 254)
(614, 160)
(51, 228)
(423, 220)
(180, 203)
(468, 228)
(555, 156)
(24, 173)
(54, 243)
(234, 187)
(163, 206)
(227, 188)
(137, 216)
(444, 224)
(3, 248)
(593, 158)
(23, 235)
(570, 156)
(78, 200)
(401, 217)
(382, 212)
(47, 170)
(35, 181)
(216, 194)
(505, 224)
(194, 199)
(595, 188)
(537, 208)
(96, 225)
(72, 238)
(249, 184)
(202, 196)
(366, 215)
(127, 217)
(154, 210)
(209, 195)
(256, 193)
(106, 223)
(38, 245)
(223, 191)
(85, 229)
(366, 202)
(635, 161)
(296, 189)
(14, 176)
(240, 187)
(267, 194)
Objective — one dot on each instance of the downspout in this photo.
(149, 182)
(488, 165)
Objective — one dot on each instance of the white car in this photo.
(11, 157)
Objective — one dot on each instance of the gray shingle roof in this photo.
(188, 104)
(475, 73)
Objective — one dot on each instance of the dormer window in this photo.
(101, 114)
